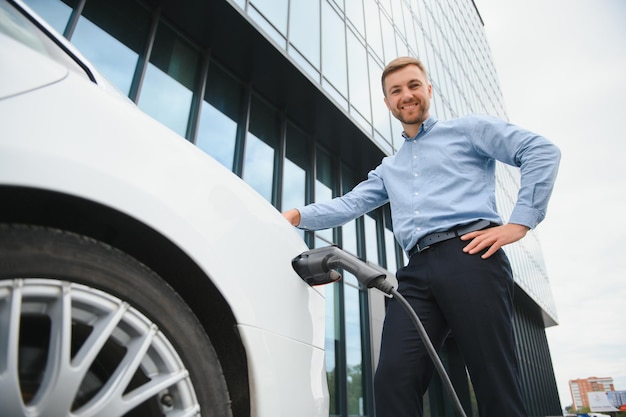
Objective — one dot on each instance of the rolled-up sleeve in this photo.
(537, 158)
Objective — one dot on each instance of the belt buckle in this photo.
(420, 248)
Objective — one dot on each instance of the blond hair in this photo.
(398, 64)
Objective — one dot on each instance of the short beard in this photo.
(416, 120)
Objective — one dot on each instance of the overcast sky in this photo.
(562, 68)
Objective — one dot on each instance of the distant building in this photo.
(580, 387)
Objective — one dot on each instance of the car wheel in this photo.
(86, 330)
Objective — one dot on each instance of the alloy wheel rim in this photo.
(97, 355)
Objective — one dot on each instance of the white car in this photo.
(138, 276)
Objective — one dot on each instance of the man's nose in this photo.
(406, 94)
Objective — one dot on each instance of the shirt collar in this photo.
(424, 127)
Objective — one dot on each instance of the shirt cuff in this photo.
(306, 216)
(526, 216)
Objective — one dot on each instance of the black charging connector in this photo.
(317, 267)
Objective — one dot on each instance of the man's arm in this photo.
(366, 196)
(538, 160)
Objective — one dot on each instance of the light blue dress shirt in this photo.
(445, 177)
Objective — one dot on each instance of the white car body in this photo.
(65, 134)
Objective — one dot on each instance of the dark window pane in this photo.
(217, 134)
(261, 142)
(295, 169)
(332, 342)
(111, 34)
(217, 129)
(371, 241)
(55, 12)
(167, 91)
(354, 356)
(324, 186)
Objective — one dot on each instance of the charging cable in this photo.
(317, 267)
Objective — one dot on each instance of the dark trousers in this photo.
(451, 291)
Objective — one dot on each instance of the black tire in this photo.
(109, 374)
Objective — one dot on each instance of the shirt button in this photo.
(416, 212)
(416, 193)
(417, 229)
(415, 174)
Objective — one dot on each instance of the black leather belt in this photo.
(430, 239)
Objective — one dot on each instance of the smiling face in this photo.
(407, 96)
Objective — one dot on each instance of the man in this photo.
(441, 190)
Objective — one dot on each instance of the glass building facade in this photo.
(287, 94)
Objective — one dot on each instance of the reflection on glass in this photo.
(259, 166)
(390, 251)
(348, 237)
(332, 342)
(111, 35)
(386, 5)
(295, 171)
(293, 185)
(349, 234)
(334, 49)
(165, 99)
(217, 128)
(304, 29)
(349, 244)
(216, 135)
(372, 27)
(359, 84)
(55, 12)
(323, 193)
(112, 58)
(167, 90)
(380, 112)
(275, 11)
(323, 186)
(261, 142)
(354, 356)
(389, 39)
(371, 242)
(354, 12)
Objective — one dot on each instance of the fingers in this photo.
(493, 238)
(481, 240)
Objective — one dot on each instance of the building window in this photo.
(355, 380)
(334, 64)
(358, 82)
(304, 29)
(324, 187)
(167, 90)
(332, 344)
(112, 36)
(260, 149)
(371, 240)
(274, 11)
(295, 170)
(55, 12)
(217, 127)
